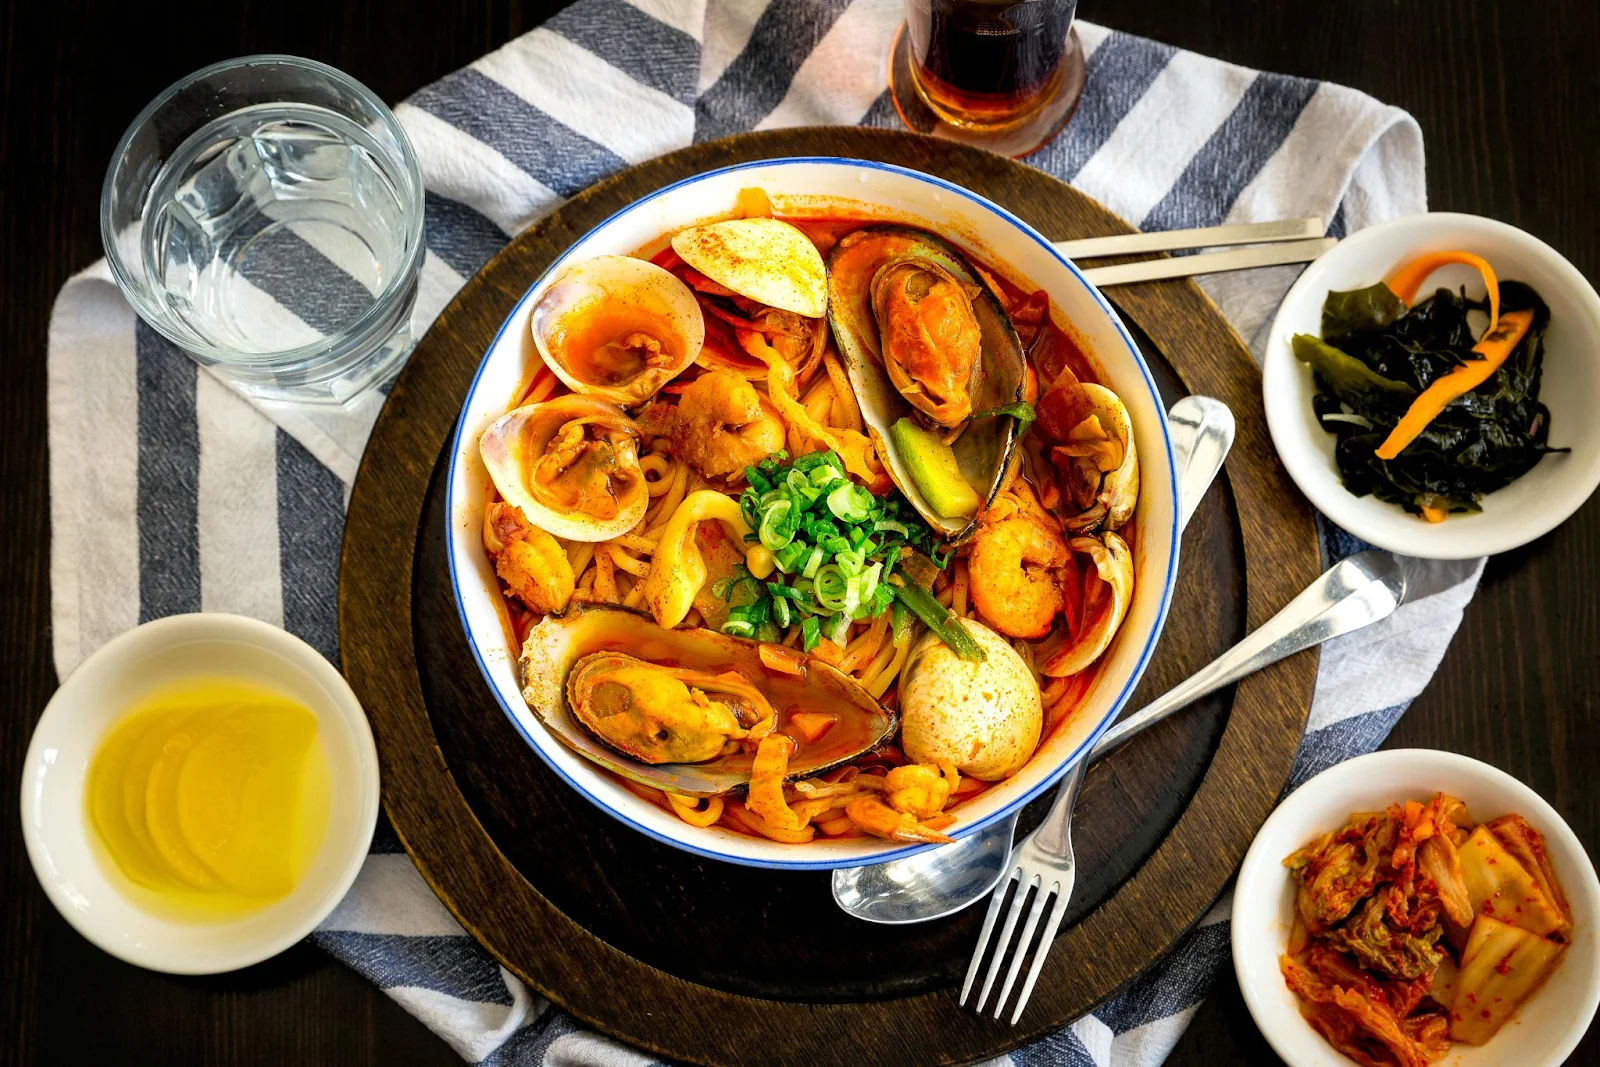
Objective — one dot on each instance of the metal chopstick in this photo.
(1243, 233)
(1210, 262)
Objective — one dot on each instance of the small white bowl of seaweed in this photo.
(1430, 385)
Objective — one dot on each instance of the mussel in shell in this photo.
(608, 682)
(923, 336)
(660, 714)
(617, 328)
(571, 465)
(928, 336)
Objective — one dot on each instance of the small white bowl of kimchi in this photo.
(1477, 948)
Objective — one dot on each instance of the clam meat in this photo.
(571, 465)
(617, 328)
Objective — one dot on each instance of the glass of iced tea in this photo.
(1001, 74)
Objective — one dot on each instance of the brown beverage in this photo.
(988, 62)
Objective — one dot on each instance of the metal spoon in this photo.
(941, 881)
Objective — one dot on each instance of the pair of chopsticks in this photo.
(1273, 243)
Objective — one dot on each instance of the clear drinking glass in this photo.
(1005, 75)
(265, 214)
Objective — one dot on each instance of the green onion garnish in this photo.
(833, 545)
(934, 615)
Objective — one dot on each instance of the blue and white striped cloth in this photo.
(171, 493)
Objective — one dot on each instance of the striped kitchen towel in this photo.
(171, 493)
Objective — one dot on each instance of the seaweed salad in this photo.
(1428, 412)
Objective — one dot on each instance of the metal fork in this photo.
(1351, 594)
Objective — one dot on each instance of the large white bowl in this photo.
(995, 236)
(120, 673)
(1529, 507)
(1543, 1031)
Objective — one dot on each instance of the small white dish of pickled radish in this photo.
(272, 846)
(1544, 1029)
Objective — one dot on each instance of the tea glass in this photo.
(1004, 75)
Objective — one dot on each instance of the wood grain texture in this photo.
(1505, 96)
(687, 1020)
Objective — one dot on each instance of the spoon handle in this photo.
(1353, 593)
(1202, 435)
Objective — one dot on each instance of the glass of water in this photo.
(265, 214)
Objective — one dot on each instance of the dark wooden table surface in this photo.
(1508, 96)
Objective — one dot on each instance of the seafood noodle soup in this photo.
(806, 524)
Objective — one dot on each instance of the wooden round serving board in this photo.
(713, 963)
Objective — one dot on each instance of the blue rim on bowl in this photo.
(517, 317)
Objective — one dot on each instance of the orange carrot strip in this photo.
(809, 726)
(1407, 278)
(1494, 347)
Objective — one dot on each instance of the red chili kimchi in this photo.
(1414, 928)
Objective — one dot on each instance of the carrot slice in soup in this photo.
(1495, 346)
(1408, 278)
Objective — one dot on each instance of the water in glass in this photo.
(274, 207)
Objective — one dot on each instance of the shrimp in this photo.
(721, 425)
(920, 789)
(532, 562)
(879, 819)
(1015, 569)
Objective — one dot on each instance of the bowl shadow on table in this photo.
(777, 934)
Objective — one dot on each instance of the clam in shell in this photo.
(617, 328)
(1108, 592)
(1102, 450)
(571, 465)
(597, 639)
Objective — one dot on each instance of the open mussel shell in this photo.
(985, 449)
(558, 643)
(596, 491)
(617, 328)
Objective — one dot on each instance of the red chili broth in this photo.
(1048, 356)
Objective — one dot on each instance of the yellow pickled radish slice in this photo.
(136, 773)
(107, 812)
(161, 800)
(238, 796)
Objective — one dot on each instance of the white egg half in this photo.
(983, 717)
(767, 260)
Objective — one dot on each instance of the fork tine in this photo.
(1052, 924)
(995, 900)
(1004, 943)
(1046, 891)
